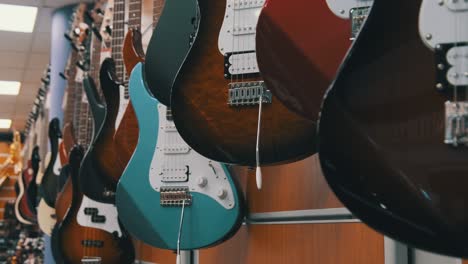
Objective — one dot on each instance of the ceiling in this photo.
(23, 57)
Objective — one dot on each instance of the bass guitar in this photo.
(392, 127)
(300, 45)
(220, 104)
(194, 200)
(90, 245)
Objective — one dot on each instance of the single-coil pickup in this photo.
(176, 149)
(169, 127)
(457, 57)
(174, 174)
(92, 243)
(91, 260)
(457, 5)
(94, 213)
(175, 196)
(241, 4)
(241, 64)
(244, 30)
(248, 93)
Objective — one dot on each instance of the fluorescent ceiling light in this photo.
(5, 123)
(17, 18)
(9, 88)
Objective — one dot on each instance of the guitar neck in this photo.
(134, 13)
(118, 34)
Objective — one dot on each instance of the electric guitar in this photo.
(165, 170)
(392, 127)
(297, 55)
(27, 197)
(91, 245)
(218, 93)
(50, 184)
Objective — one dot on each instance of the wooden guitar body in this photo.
(300, 45)
(89, 243)
(382, 130)
(206, 221)
(226, 133)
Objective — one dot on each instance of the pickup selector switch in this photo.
(221, 193)
(202, 182)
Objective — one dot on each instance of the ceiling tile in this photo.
(41, 43)
(12, 60)
(44, 20)
(34, 75)
(36, 61)
(13, 41)
(8, 74)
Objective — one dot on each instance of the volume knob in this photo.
(222, 193)
(202, 181)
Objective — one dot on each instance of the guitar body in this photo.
(300, 45)
(22, 211)
(90, 243)
(165, 55)
(226, 133)
(207, 220)
(27, 199)
(100, 154)
(51, 183)
(382, 130)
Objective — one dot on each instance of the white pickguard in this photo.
(441, 23)
(46, 217)
(111, 224)
(342, 8)
(173, 155)
(57, 163)
(122, 106)
(239, 26)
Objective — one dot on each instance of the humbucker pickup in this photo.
(358, 17)
(248, 93)
(91, 260)
(456, 123)
(242, 64)
(92, 243)
(451, 66)
(175, 196)
(175, 174)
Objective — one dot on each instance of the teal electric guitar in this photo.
(168, 190)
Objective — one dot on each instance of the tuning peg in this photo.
(81, 65)
(68, 37)
(63, 76)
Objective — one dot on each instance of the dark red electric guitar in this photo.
(300, 45)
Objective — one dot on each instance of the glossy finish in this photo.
(28, 201)
(218, 131)
(114, 250)
(300, 45)
(381, 137)
(126, 137)
(50, 183)
(168, 48)
(93, 183)
(206, 222)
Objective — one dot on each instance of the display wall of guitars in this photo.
(391, 146)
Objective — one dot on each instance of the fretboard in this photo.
(71, 95)
(134, 14)
(118, 35)
(158, 6)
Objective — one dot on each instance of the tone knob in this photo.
(222, 193)
(202, 181)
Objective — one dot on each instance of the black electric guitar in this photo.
(392, 128)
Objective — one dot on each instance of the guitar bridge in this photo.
(456, 123)
(248, 93)
(358, 17)
(175, 196)
(91, 260)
